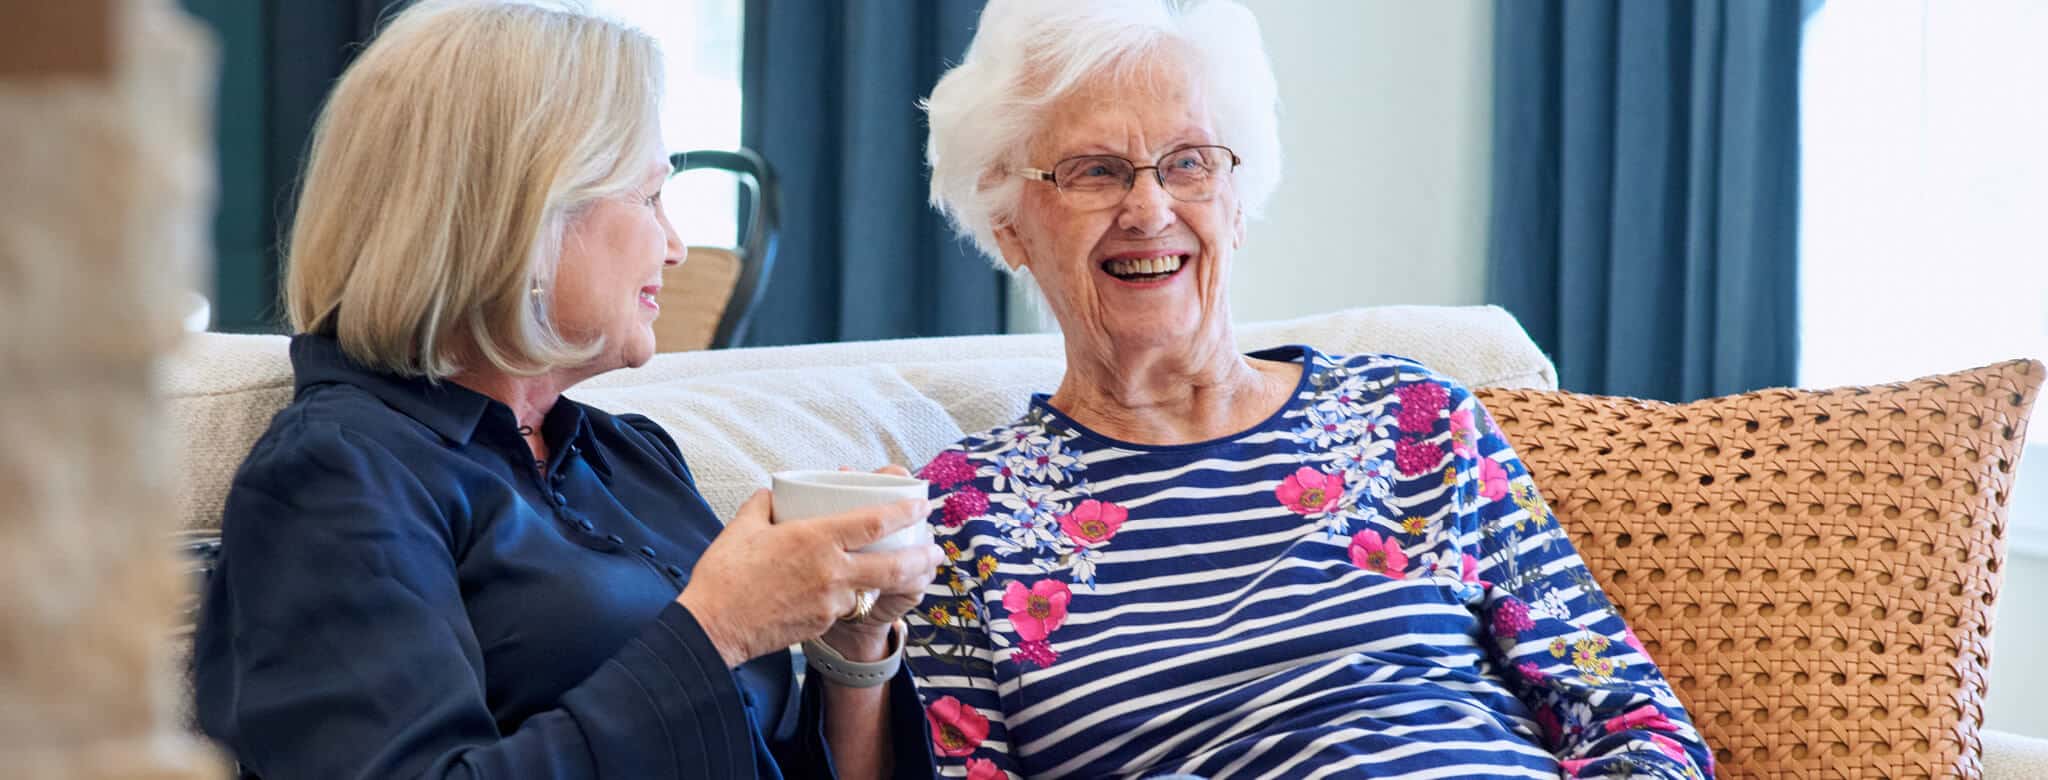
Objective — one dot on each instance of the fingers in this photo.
(891, 470)
(894, 570)
(755, 511)
(867, 525)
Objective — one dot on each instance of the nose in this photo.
(674, 252)
(1147, 209)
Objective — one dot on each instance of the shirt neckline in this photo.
(1051, 417)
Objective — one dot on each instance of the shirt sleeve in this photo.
(954, 656)
(336, 643)
(1604, 708)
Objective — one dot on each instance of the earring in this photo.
(536, 291)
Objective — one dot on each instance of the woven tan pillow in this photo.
(1814, 570)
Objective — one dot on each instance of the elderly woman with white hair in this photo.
(1191, 561)
(434, 565)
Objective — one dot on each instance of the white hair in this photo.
(1028, 54)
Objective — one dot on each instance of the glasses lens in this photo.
(1087, 174)
(1193, 174)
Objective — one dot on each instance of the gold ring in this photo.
(863, 603)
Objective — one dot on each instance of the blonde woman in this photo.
(434, 565)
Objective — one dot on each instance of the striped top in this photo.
(1367, 583)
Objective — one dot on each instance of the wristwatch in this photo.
(819, 655)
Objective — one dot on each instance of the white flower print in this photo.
(1017, 437)
(1000, 475)
(1031, 502)
(1325, 428)
(1052, 463)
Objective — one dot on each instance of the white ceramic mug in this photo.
(803, 495)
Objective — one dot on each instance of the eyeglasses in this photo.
(1097, 181)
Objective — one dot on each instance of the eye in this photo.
(1190, 161)
(1096, 170)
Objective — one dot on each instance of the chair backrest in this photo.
(694, 299)
(714, 292)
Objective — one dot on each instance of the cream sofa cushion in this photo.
(740, 414)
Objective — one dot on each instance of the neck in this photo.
(1162, 393)
(530, 397)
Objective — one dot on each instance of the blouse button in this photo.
(561, 500)
(675, 571)
(647, 551)
(615, 539)
(586, 525)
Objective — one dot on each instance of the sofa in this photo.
(740, 414)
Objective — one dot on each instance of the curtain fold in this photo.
(1645, 202)
(278, 61)
(831, 90)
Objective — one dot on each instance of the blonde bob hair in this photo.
(443, 172)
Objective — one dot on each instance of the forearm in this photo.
(857, 719)
(857, 727)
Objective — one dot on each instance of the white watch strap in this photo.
(856, 674)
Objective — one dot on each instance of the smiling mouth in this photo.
(1144, 269)
(651, 297)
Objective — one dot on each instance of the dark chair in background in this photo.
(707, 300)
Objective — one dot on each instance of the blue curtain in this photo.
(1646, 189)
(831, 92)
(278, 60)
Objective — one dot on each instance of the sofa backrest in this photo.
(741, 414)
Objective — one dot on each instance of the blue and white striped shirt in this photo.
(1367, 583)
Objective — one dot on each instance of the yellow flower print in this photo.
(953, 552)
(1558, 648)
(1531, 502)
(959, 587)
(939, 616)
(986, 566)
(1589, 656)
(1450, 476)
(966, 610)
(1414, 526)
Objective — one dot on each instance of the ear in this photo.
(1012, 248)
(1237, 231)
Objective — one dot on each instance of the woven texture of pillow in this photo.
(1813, 570)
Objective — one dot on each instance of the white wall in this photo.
(1386, 121)
(2019, 683)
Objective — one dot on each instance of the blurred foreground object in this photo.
(103, 207)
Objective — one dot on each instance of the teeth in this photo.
(1145, 265)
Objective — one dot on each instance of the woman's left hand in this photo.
(867, 639)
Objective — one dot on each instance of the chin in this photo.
(637, 349)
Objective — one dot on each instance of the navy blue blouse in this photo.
(404, 592)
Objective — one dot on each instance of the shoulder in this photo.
(637, 437)
(1394, 375)
(635, 429)
(331, 429)
(339, 468)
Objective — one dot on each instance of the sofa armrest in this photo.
(2009, 756)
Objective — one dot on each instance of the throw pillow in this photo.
(1813, 570)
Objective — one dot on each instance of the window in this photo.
(1924, 217)
(700, 40)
